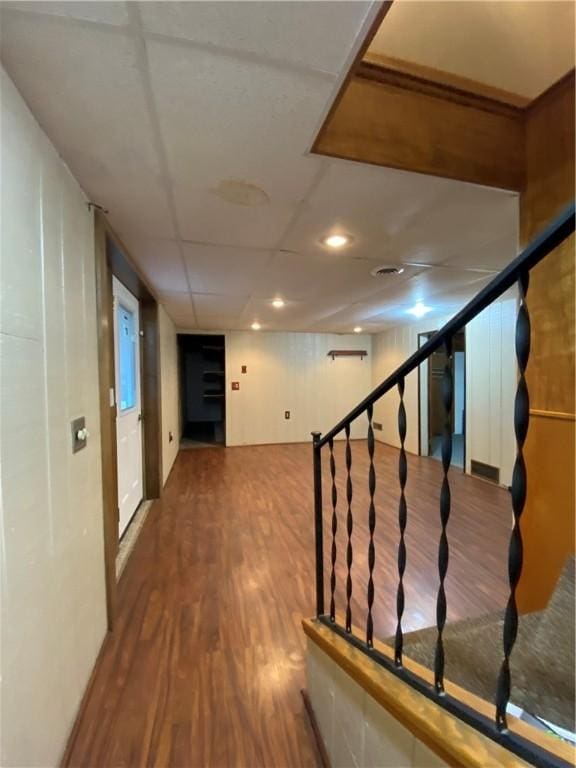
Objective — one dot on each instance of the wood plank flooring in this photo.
(206, 663)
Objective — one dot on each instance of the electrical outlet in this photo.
(286, 414)
(377, 425)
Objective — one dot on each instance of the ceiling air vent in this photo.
(386, 269)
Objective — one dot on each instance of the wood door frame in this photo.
(427, 335)
(113, 258)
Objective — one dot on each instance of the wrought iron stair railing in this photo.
(516, 273)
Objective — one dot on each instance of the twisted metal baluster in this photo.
(519, 485)
(334, 529)
(443, 549)
(402, 518)
(349, 525)
(371, 527)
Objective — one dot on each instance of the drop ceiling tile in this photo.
(103, 12)
(178, 302)
(370, 203)
(216, 304)
(308, 317)
(461, 221)
(203, 217)
(396, 216)
(493, 255)
(312, 277)
(226, 322)
(159, 260)
(226, 119)
(214, 269)
(291, 315)
(285, 31)
(83, 85)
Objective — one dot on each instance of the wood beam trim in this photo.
(420, 82)
(566, 82)
(387, 125)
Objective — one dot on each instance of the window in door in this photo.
(126, 358)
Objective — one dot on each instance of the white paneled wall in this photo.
(51, 525)
(490, 387)
(391, 348)
(292, 372)
(169, 390)
(357, 731)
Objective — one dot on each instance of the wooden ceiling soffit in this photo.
(405, 120)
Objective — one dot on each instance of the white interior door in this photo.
(128, 410)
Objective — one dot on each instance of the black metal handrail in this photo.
(517, 272)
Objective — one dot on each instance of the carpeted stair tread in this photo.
(542, 663)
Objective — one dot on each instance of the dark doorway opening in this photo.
(203, 390)
(432, 415)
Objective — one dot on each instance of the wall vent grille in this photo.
(485, 470)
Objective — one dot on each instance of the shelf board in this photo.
(334, 353)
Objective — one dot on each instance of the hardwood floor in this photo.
(206, 663)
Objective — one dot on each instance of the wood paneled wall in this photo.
(548, 520)
(399, 123)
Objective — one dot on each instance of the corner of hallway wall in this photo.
(51, 519)
(169, 391)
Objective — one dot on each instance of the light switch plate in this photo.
(77, 425)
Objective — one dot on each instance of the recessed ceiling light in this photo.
(255, 326)
(278, 303)
(336, 241)
(357, 329)
(419, 309)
